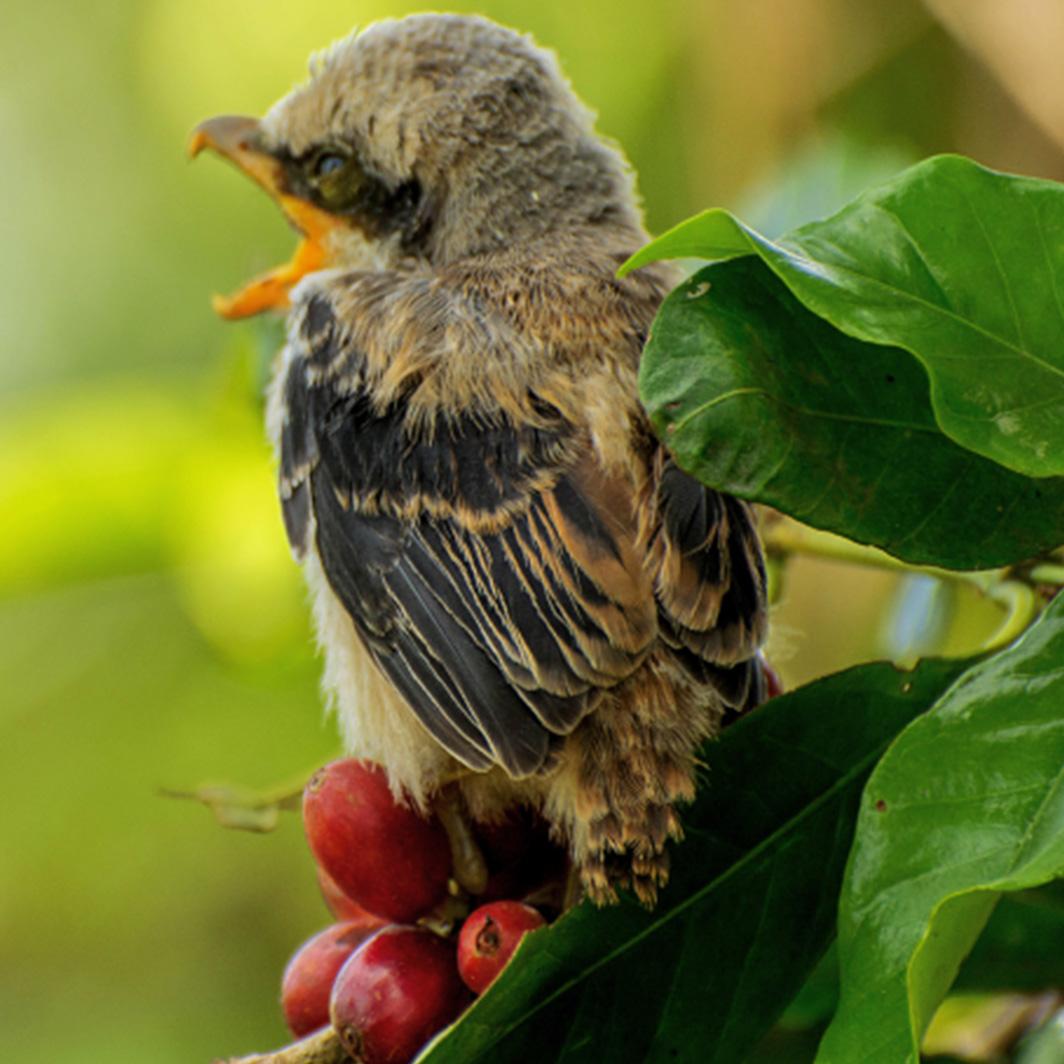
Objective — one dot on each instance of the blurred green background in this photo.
(152, 627)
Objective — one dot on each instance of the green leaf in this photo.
(1021, 948)
(749, 910)
(759, 397)
(959, 265)
(967, 803)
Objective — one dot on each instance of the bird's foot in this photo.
(467, 861)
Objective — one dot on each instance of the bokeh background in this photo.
(152, 628)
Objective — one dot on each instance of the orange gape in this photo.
(270, 290)
(232, 136)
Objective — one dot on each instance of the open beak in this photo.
(236, 138)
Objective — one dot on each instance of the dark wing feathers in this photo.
(475, 633)
(299, 454)
(711, 577)
(459, 694)
(499, 639)
(492, 571)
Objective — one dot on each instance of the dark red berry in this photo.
(309, 976)
(340, 905)
(383, 856)
(395, 993)
(520, 854)
(488, 939)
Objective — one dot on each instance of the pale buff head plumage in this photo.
(477, 115)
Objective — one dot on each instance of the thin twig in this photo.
(322, 1047)
(1011, 589)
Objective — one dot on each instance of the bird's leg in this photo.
(470, 868)
(448, 913)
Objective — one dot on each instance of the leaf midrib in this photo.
(824, 415)
(752, 855)
(904, 293)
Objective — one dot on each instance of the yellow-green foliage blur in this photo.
(152, 627)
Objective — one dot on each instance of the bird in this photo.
(519, 596)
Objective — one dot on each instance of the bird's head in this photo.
(429, 138)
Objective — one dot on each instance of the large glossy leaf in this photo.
(1022, 947)
(957, 264)
(967, 803)
(749, 911)
(758, 396)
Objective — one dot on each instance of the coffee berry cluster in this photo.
(407, 955)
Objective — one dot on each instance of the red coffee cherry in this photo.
(394, 993)
(520, 854)
(488, 939)
(339, 904)
(309, 975)
(383, 856)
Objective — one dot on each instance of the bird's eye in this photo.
(331, 178)
(328, 163)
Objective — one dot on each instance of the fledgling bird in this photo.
(515, 589)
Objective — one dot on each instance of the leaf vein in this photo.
(934, 308)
